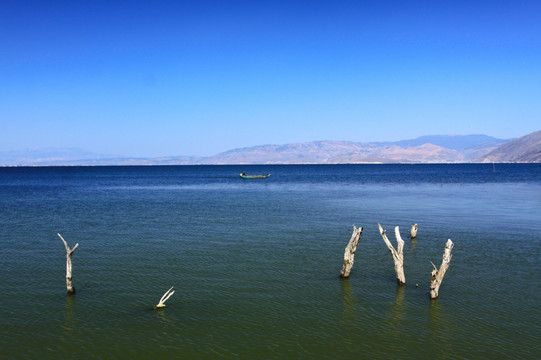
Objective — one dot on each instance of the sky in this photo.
(171, 78)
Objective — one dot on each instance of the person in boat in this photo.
(244, 173)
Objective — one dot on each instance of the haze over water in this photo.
(255, 263)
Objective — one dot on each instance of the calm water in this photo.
(255, 263)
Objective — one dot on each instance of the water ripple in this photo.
(255, 267)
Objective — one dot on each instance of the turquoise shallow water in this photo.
(255, 263)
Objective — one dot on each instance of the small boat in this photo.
(245, 176)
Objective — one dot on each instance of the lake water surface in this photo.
(255, 263)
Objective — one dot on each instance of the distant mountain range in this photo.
(526, 149)
(424, 149)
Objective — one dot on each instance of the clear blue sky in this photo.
(157, 78)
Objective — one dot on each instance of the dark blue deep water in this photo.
(255, 263)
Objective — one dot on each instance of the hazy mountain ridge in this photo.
(525, 149)
(454, 142)
(334, 152)
(47, 155)
(424, 149)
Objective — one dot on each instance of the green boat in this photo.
(245, 176)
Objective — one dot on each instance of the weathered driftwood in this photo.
(349, 253)
(413, 231)
(69, 254)
(164, 298)
(398, 254)
(437, 275)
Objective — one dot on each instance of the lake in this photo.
(255, 264)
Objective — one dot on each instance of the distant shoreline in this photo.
(259, 165)
(438, 149)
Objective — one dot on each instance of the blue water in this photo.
(255, 263)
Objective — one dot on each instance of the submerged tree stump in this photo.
(413, 231)
(349, 253)
(437, 275)
(69, 254)
(164, 298)
(398, 254)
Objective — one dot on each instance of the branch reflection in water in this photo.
(349, 302)
(438, 328)
(69, 318)
(397, 311)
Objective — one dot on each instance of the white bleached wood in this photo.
(69, 254)
(164, 298)
(398, 254)
(437, 275)
(413, 231)
(349, 253)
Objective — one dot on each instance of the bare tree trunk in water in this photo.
(69, 253)
(413, 231)
(437, 275)
(349, 253)
(398, 254)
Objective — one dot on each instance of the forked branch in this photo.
(398, 253)
(69, 253)
(164, 298)
(437, 275)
